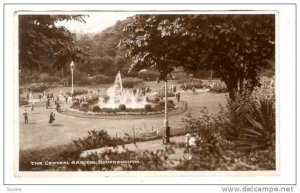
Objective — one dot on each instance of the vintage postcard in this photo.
(183, 92)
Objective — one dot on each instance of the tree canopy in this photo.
(103, 54)
(42, 43)
(236, 47)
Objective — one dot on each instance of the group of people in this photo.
(48, 96)
(29, 95)
(26, 115)
(141, 90)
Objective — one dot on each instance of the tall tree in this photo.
(42, 43)
(236, 47)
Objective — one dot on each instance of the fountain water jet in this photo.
(118, 95)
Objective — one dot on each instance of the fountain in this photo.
(118, 95)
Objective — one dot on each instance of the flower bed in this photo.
(115, 112)
(153, 107)
(128, 114)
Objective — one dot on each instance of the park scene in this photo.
(124, 91)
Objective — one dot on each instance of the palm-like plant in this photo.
(259, 132)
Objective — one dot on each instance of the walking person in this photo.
(26, 116)
(66, 100)
(57, 107)
(178, 97)
(51, 118)
(32, 108)
(187, 139)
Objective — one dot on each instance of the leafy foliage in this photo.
(130, 82)
(218, 88)
(96, 139)
(147, 107)
(23, 101)
(78, 91)
(122, 107)
(96, 108)
(43, 44)
(37, 87)
(102, 54)
(240, 137)
(75, 105)
(259, 133)
(235, 47)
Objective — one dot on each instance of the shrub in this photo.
(156, 99)
(75, 105)
(64, 81)
(148, 76)
(50, 79)
(170, 102)
(189, 83)
(84, 105)
(78, 91)
(90, 100)
(161, 95)
(96, 108)
(245, 129)
(85, 81)
(22, 101)
(147, 107)
(122, 107)
(218, 88)
(157, 107)
(96, 139)
(28, 77)
(161, 103)
(37, 87)
(130, 82)
(102, 79)
(259, 130)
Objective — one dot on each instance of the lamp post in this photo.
(72, 69)
(166, 133)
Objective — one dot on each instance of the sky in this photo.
(97, 21)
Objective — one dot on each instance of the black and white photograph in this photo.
(146, 91)
(149, 96)
(140, 91)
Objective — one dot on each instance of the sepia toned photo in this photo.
(146, 91)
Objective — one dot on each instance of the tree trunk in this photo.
(241, 85)
(231, 94)
(231, 87)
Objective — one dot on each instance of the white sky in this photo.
(97, 21)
